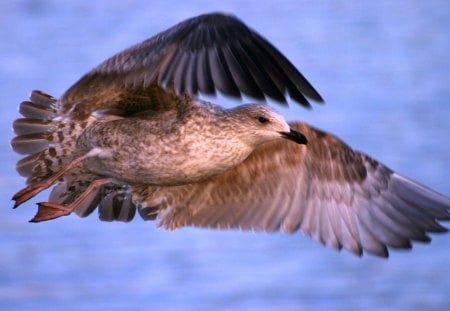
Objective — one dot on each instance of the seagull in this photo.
(133, 135)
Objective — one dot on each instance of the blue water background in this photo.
(383, 68)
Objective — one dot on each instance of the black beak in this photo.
(293, 135)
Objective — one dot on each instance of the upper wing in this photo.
(201, 54)
(339, 197)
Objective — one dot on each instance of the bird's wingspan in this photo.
(200, 55)
(339, 197)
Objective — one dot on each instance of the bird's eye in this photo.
(263, 120)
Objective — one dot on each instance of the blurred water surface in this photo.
(383, 68)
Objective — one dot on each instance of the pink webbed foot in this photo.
(49, 210)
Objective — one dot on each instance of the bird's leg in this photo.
(33, 189)
(50, 210)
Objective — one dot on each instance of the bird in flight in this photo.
(132, 135)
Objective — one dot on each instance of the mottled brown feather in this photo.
(338, 196)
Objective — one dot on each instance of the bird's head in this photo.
(259, 123)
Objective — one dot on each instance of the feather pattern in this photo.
(200, 55)
(339, 197)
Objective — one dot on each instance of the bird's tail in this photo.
(48, 142)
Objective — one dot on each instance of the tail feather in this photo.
(31, 143)
(41, 98)
(41, 107)
(47, 140)
(24, 126)
(36, 111)
(26, 165)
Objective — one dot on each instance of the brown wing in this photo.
(201, 54)
(339, 197)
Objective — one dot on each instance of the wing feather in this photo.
(229, 57)
(339, 197)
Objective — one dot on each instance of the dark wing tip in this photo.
(204, 54)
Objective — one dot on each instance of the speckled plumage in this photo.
(176, 147)
(131, 136)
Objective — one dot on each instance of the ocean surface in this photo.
(383, 68)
